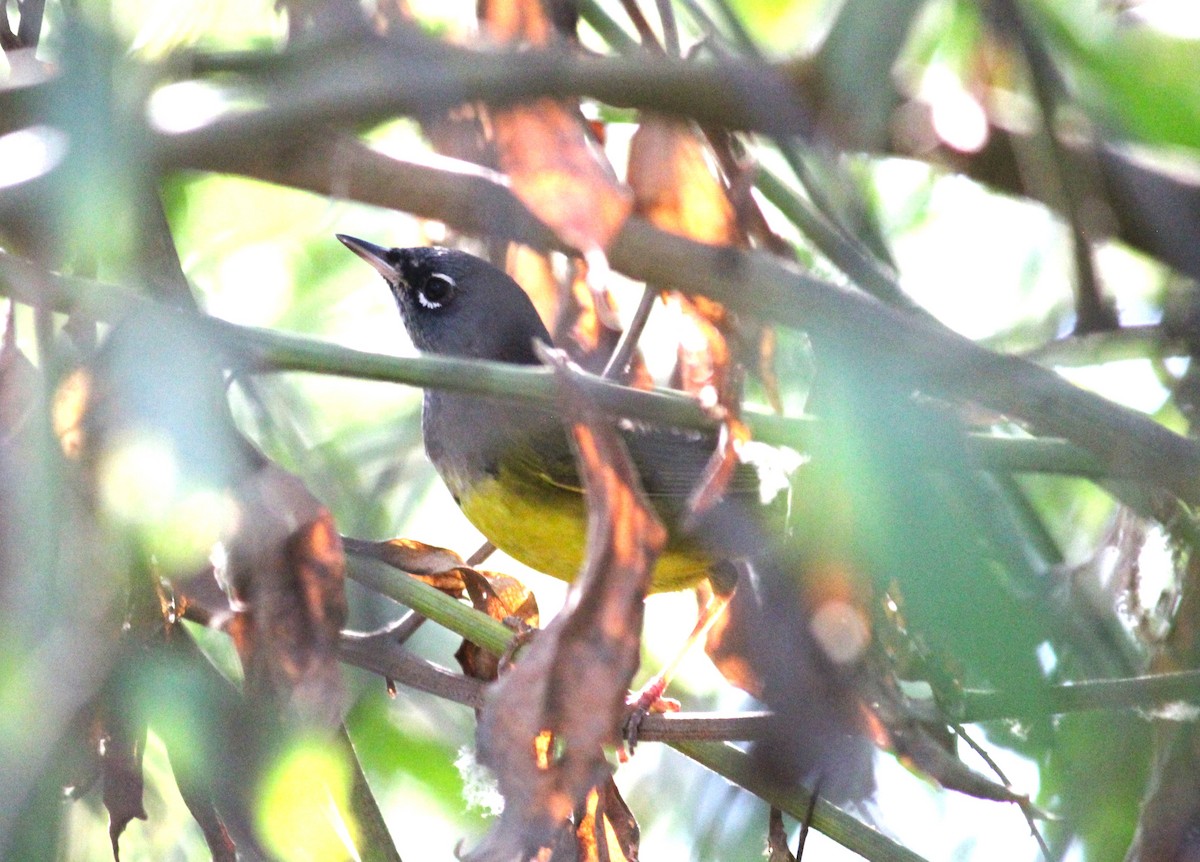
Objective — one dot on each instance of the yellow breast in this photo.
(545, 527)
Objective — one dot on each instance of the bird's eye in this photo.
(436, 291)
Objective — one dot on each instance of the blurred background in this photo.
(995, 262)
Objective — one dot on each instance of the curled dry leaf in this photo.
(606, 829)
(121, 773)
(767, 644)
(504, 598)
(287, 571)
(566, 305)
(525, 21)
(157, 387)
(721, 466)
(677, 187)
(559, 172)
(121, 722)
(555, 166)
(546, 722)
(438, 567)
(533, 271)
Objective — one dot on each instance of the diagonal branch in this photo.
(906, 350)
(266, 350)
(278, 351)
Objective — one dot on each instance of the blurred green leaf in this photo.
(1094, 785)
(389, 750)
(1138, 83)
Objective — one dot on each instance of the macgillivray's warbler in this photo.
(510, 467)
(509, 464)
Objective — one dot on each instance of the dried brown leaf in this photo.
(606, 830)
(533, 271)
(721, 466)
(581, 327)
(555, 166)
(771, 636)
(287, 569)
(729, 643)
(504, 598)
(559, 172)
(675, 184)
(546, 722)
(526, 21)
(121, 751)
(572, 313)
(438, 567)
(703, 361)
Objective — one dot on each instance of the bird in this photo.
(510, 467)
(507, 463)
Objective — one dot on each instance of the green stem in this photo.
(280, 351)
(738, 767)
(475, 626)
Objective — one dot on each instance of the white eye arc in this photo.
(433, 293)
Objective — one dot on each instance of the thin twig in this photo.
(397, 631)
(645, 31)
(669, 27)
(1142, 692)
(481, 554)
(1026, 810)
(739, 767)
(618, 363)
(309, 88)
(394, 662)
(806, 825)
(1092, 313)
(1114, 345)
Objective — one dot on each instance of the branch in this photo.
(1153, 205)
(737, 767)
(392, 661)
(1139, 692)
(1097, 348)
(355, 83)
(278, 351)
(909, 351)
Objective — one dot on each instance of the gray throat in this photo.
(466, 435)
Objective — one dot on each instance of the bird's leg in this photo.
(480, 556)
(650, 698)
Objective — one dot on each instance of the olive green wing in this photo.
(670, 462)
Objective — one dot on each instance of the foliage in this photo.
(944, 250)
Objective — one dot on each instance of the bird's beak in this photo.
(373, 254)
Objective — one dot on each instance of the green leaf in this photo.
(1140, 83)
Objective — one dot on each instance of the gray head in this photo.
(457, 304)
